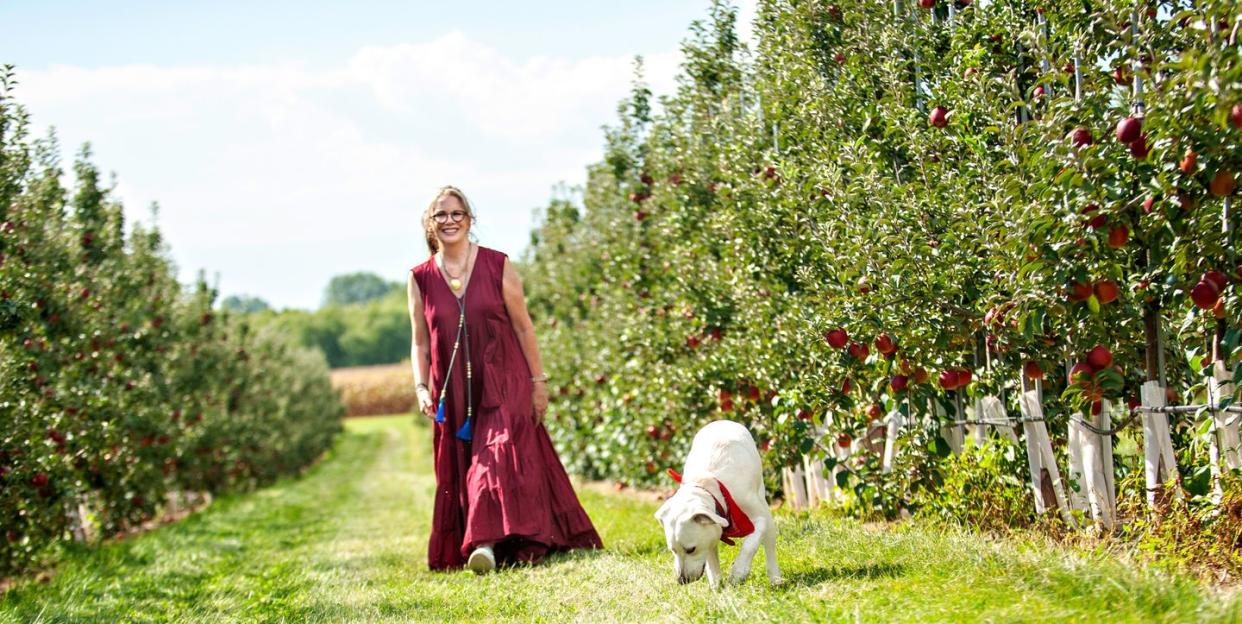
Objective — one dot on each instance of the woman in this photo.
(501, 491)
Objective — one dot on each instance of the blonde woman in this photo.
(502, 495)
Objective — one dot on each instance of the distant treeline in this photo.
(362, 321)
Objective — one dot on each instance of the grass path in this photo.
(347, 543)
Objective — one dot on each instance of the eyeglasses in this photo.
(443, 217)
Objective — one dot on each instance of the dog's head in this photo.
(692, 530)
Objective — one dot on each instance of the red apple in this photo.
(844, 440)
(39, 480)
(1038, 93)
(1139, 148)
(1189, 161)
(692, 341)
(1129, 129)
(1122, 76)
(970, 71)
(1216, 279)
(1082, 374)
(837, 338)
(1235, 116)
(804, 414)
(845, 386)
(1118, 235)
(1205, 295)
(927, 4)
(1032, 370)
(858, 350)
(1106, 291)
(1079, 291)
(874, 412)
(948, 379)
(1094, 222)
(898, 383)
(653, 431)
(884, 344)
(963, 377)
(639, 215)
(1081, 137)
(939, 116)
(1096, 407)
(839, 58)
(920, 375)
(1222, 183)
(646, 179)
(1099, 357)
(752, 393)
(1148, 205)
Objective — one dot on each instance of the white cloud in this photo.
(280, 176)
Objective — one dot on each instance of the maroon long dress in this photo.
(507, 485)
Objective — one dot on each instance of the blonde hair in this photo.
(429, 225)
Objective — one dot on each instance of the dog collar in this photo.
(739, 523)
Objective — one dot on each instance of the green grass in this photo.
(346, 543)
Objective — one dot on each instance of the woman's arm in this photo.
(420, 348)
(515, 304)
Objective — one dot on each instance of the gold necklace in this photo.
(454, 282)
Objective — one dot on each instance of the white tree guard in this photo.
(953, 434)
(1046, 481)
(895, 422)
(978, 432)
(992, 411)
(818, 489)
(1226, 440)
(1160, 466)
(1091, 465)
(795, 487)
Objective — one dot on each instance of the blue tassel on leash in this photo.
(466, 433)
(440, 413)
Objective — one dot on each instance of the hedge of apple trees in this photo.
(893, 199)
(116, 386)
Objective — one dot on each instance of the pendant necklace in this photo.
(454, 282)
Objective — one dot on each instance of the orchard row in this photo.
(118, 388)
(890, 207)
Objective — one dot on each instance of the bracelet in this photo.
(540, 378)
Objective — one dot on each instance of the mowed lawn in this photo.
(346, 543)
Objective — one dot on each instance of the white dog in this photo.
(721, 497)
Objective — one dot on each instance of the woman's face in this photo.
(450, 219)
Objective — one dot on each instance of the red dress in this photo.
(507, 485)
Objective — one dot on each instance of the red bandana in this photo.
(739, 524)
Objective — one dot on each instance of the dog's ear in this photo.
(706, 517)
(663, 511)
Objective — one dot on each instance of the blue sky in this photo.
(287, 142)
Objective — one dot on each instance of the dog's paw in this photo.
(738, 574)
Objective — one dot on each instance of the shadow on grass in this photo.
(808, 578)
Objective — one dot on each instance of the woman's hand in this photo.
(424, 403)
(540, 399)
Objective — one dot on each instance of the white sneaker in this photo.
(482, 560)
